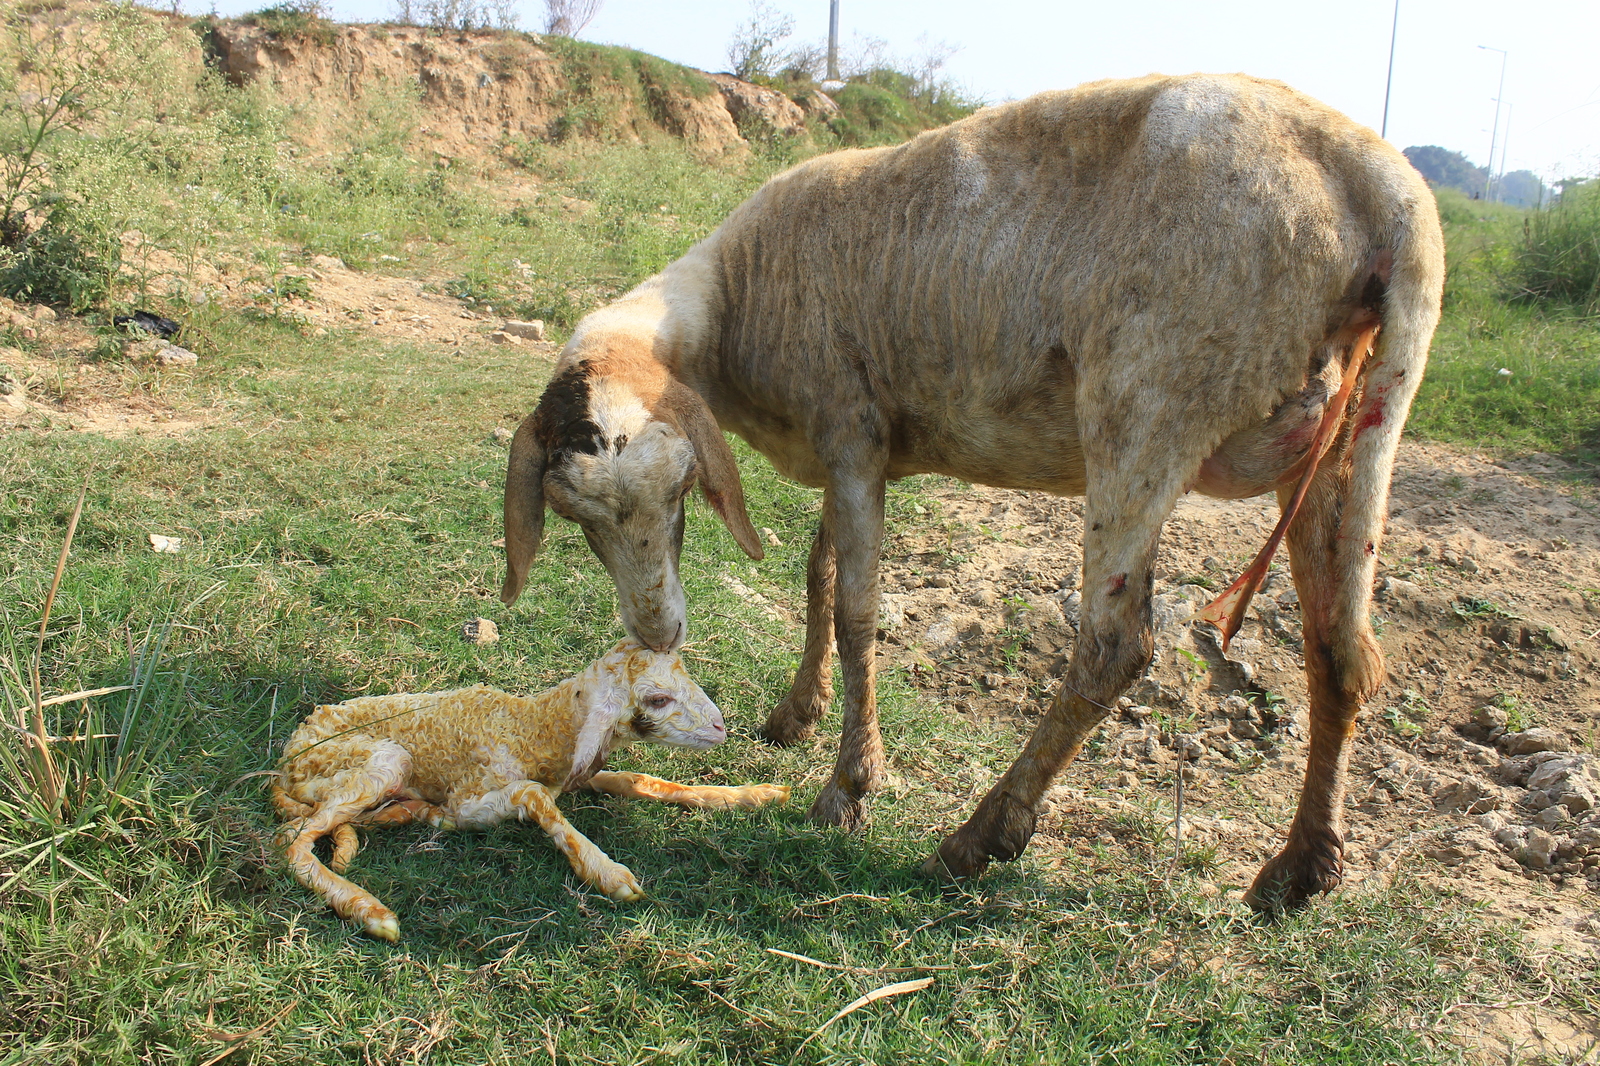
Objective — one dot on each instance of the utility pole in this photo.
(1499, 181)
(1488, 177)
(1394, 32)
(833, 40)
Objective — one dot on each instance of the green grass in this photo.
(337, 515)
(1550, 400)
(336, 519)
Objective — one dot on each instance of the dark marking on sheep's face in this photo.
(565, 420)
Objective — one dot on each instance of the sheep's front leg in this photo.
(853, 509)
(796, 717)
(1114, 645)
(713, 797)
(532, 800)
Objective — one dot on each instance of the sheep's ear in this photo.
(719, 474)
(524, 506)
(589, 750)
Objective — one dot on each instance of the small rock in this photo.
(166, 545)
(1458, 844)
(328, 263)
(1534, 740)
(1468, 565)
(771, 537)
(1071, 604)
(13, 401)
(1237, 707)
(1470, 795)
(528, 331)
(500, 336)
(940, 581)
(42, 313)
(980, 597)
(1536, 852)
(172, 355)
(502, 435)
(1490, 717)
(1245, 729)
(480, 631)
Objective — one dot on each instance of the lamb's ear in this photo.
(524, 506)
(719, 474)
(591, 746)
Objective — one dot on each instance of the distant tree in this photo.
(1443, 167)
(1520, 187)
(567, 18)
(756, 50)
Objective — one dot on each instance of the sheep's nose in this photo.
(655, 642)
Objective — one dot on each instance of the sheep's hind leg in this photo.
(1343, 668)
(796, 717)
(1124, 509)
(537, 802)
(853, 509)
(713, 797)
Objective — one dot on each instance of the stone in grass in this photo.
(153, 350)
(480, 631)
(500, 336)
(528, 331)
(165, 545)
(1534, 740)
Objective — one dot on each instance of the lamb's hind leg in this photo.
(1332, 575)
(713, 797)
(1123, 514)
(796, 717)
(353, 791)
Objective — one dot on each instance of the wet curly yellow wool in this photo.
(470, 758)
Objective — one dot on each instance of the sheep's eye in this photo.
(656, 703)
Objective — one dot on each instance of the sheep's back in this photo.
(987, 285)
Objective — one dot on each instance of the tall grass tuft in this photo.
(67, 762)
(1559, 255)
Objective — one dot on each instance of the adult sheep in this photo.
(1126, 291)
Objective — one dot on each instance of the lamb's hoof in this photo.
(834, 806)
(760, 795)
(1289, 879)
(618, 882)
(384, 927)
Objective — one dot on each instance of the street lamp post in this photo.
(1488, 176)
(832, 40)
(1394, 32)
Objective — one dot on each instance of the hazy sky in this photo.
(1444, 84)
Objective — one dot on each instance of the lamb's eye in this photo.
(656, 703)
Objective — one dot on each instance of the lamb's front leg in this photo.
(531, 800)
(714, 797)
(853, 510)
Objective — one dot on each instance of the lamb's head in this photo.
(617, 452)
(641, 694)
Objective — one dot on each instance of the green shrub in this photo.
(295, 19)
(1558, 257)
(70, 261)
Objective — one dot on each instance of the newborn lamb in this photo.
(473, 757)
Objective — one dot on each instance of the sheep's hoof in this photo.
(956, 860)
(384, 927)
(834, 806)
(999, 829)
(795, 719)
(1289, 879)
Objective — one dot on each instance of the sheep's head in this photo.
(617, 453)
(641, 694)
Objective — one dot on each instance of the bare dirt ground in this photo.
(1474, 768)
